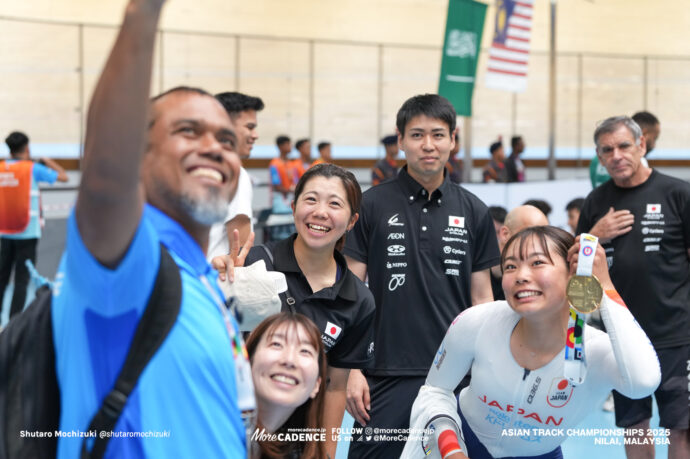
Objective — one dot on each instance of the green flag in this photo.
(464, 28)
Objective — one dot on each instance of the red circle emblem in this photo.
(587, 251)
(563, 384)
(333, 330)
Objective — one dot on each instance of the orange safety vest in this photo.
(15, 196)
(298, 169)
(283, 168)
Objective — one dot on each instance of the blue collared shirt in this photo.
(185, 402)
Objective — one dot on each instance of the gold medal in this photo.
(584, 293)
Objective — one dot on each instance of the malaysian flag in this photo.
(509, 53)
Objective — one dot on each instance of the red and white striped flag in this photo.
(509, 53)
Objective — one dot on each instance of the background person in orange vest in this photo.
(324, 154)
(300, 165)
(20, 228)
(282, 185)
(387, 168)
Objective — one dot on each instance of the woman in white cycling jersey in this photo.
(519, 403)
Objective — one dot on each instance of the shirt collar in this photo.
(414, 190)
(175, 238)
(285, 261)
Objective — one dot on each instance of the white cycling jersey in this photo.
(517, 412)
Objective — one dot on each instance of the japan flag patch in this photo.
(333, 330)
(457, 222)
(653, 208)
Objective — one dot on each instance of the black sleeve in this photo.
(485, 251)
(357, 240)
(356, 348)
(685, 217)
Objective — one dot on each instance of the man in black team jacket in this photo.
(642, 218)
(426, 245)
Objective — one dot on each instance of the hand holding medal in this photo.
(587, 261)
(583, 295)
(584, 290)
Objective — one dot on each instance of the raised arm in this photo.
(630, 364)
(62, 175)
(110, 201)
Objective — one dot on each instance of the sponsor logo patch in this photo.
(448, 250)
(397, 280)
(393, 221)
(456, 222)
(390, 265)
(452, 272)
(333, 330)
(396, 236)
(450, 261)
(453, 239)
(440, 355)
(396, 250)
(533, 391)
(559, 393)
(456, 231)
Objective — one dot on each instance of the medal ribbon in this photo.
(246, 400)
(575, 367)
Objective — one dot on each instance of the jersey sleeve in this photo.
(685, 218)
(44, 174)
(355, 349)
(451, 363)
(485, 252)
(357, 240)
(109, 292)
(624, 356)
(456, 353)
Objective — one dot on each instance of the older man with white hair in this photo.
(642, 219)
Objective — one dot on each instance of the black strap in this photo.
(158, 319)
(268, 253)
(285, 297)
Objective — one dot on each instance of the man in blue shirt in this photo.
(20, 225)
(158, 172)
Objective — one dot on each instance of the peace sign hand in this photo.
(225, 264)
